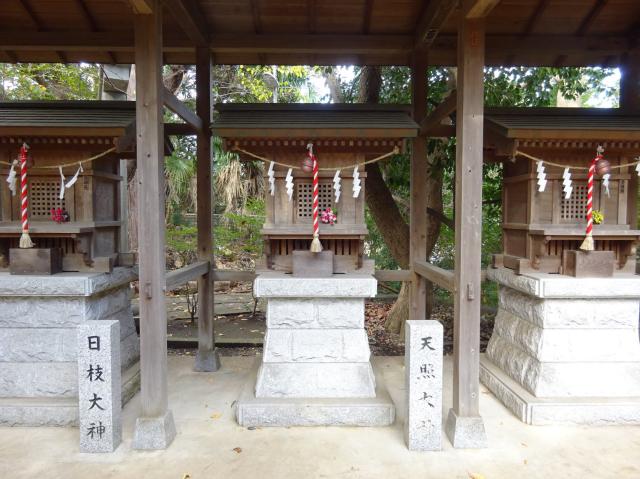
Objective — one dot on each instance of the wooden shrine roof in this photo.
(327, 32)
(313, 121)
(59, 118)
(563, 123)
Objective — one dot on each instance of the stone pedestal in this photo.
(566, 350)
(39, 316)
(315, 368)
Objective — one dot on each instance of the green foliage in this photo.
(49, 81)
(238, 234)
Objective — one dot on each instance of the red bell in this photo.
(307, 165)
(603, 167)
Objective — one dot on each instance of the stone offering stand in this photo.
(315, 370)
(39, 316)
(565, 350)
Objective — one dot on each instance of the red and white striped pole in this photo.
(587, 244)
(25, 239)
(316, 246)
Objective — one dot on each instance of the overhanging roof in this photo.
(313, 121)
(519, 32)
(97, 118)
(564, 123)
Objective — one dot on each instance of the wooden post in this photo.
(464, 425)
(207, 358)
(155, 428)
(418, 200)
(630, 83)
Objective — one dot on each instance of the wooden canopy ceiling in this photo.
(322, 32)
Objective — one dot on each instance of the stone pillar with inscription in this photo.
(423, 381)
(99, 386)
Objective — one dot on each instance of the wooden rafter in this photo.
(38, 24)
(585, 24)
(366, 16)
(92, 24)
(191, 19)
(142, 7)
(255, 15)
(311, 16)
(591, 17)
(535, 17)
(433, 17)
(478, 8)
(180, 109)
(443, 110)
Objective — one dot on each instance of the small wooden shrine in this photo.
(73, 178)
(546, 155)
(344, 138)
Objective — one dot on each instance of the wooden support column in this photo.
(155, 428)
(464, 424)
(418, 199)
(207, 358)
(630, 83)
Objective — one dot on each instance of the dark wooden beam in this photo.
(431, 20)
(366, 16)
(207, 358)
(191, 19)
(92, 24)
(591, 17)
(38, 24)
(535, 17)
(443, 110)
(179, 129)
(255, 15)
(142, 7)
(179, 108)
(311, 16)
(442, 277)
(478, 8)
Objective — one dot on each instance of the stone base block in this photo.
(207, 361)
(316, 380)
(316, 346)
(153, 433)
(284, 412)
(465, 432)
(592, 411)
(57, 411)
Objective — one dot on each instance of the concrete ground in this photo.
(210, 444)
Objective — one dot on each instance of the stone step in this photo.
(61, 411)
(597, 313)
(61, 311)
(567, 344)
(252, 411)
(315, 313)
(315, 380)
(316, 346)
(53, 378)
(565, 379)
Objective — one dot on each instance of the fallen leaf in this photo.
(216, 415)
(474, 475)
(186, 476)
(526, 462)
(524, 444)
(237, 449)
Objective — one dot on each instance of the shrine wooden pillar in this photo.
(155, 428)
(464, 425)
(630, 82)
(418, 193)
(207, 358)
